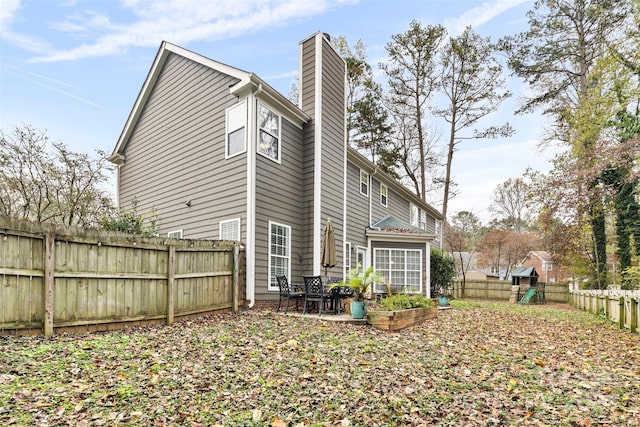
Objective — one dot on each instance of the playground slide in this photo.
(527, 297)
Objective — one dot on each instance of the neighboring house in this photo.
(220, 154)
(548, 269)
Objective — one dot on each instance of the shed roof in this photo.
(524, 272)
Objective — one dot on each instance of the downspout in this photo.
(251, 200)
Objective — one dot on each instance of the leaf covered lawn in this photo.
(477, 364)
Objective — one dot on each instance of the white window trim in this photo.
(378, 289)
(288, 228)
(279, 136)
(230, 221)
(228, 130)
(360, 182)
(385, 194)
(178, 232)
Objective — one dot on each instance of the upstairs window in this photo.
(383, 194)
(364, 183)
(268, 133)
(236, 125)
(230, 229)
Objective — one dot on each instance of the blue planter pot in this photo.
(357, 309)
(443, 301)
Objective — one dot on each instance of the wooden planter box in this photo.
(396, 320)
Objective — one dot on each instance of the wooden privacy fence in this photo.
(54, 279)
(620, 307)
(496, 290)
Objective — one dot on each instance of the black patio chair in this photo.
(314, 291)
(287, 292)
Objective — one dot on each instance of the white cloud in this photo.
(479, 15)
(8, 13)
(181, 23)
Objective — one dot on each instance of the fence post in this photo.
(633, 324)
(621, 309)
(49, 278)
(171, 277)
(236, 277)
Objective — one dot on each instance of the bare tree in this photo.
(511, 202)
(44, 181)
(461, 238)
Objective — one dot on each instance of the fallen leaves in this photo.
(477, 364)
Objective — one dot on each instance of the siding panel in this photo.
(179, 135)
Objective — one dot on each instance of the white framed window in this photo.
(414, 215)
(384, 195)
(279, 253)
(364, 183)
(268, 133)
(547, 266)
(236, 134)
(402, 268)
(347, 255)
(361, 257)
(230, 229)
(175, 234)
(417, 217)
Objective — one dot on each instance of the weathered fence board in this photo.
(63, 278)
(620, 307)
(496, 290)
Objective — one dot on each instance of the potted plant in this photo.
(359, 281)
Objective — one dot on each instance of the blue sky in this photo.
(75, 67)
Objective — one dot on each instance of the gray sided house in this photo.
(220, 154)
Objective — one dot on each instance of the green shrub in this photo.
(630, 278)
(404, 301)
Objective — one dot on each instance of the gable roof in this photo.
(543, 255)
(247, 82)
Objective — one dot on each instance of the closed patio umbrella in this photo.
(328, 255)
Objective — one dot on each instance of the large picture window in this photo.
(402, 268)
(268, 133)
(236, 142)
(279, 253)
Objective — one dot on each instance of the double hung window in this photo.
(268, 133)
(236, 135)
(279, 253)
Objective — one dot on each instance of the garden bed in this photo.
(400, 319)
